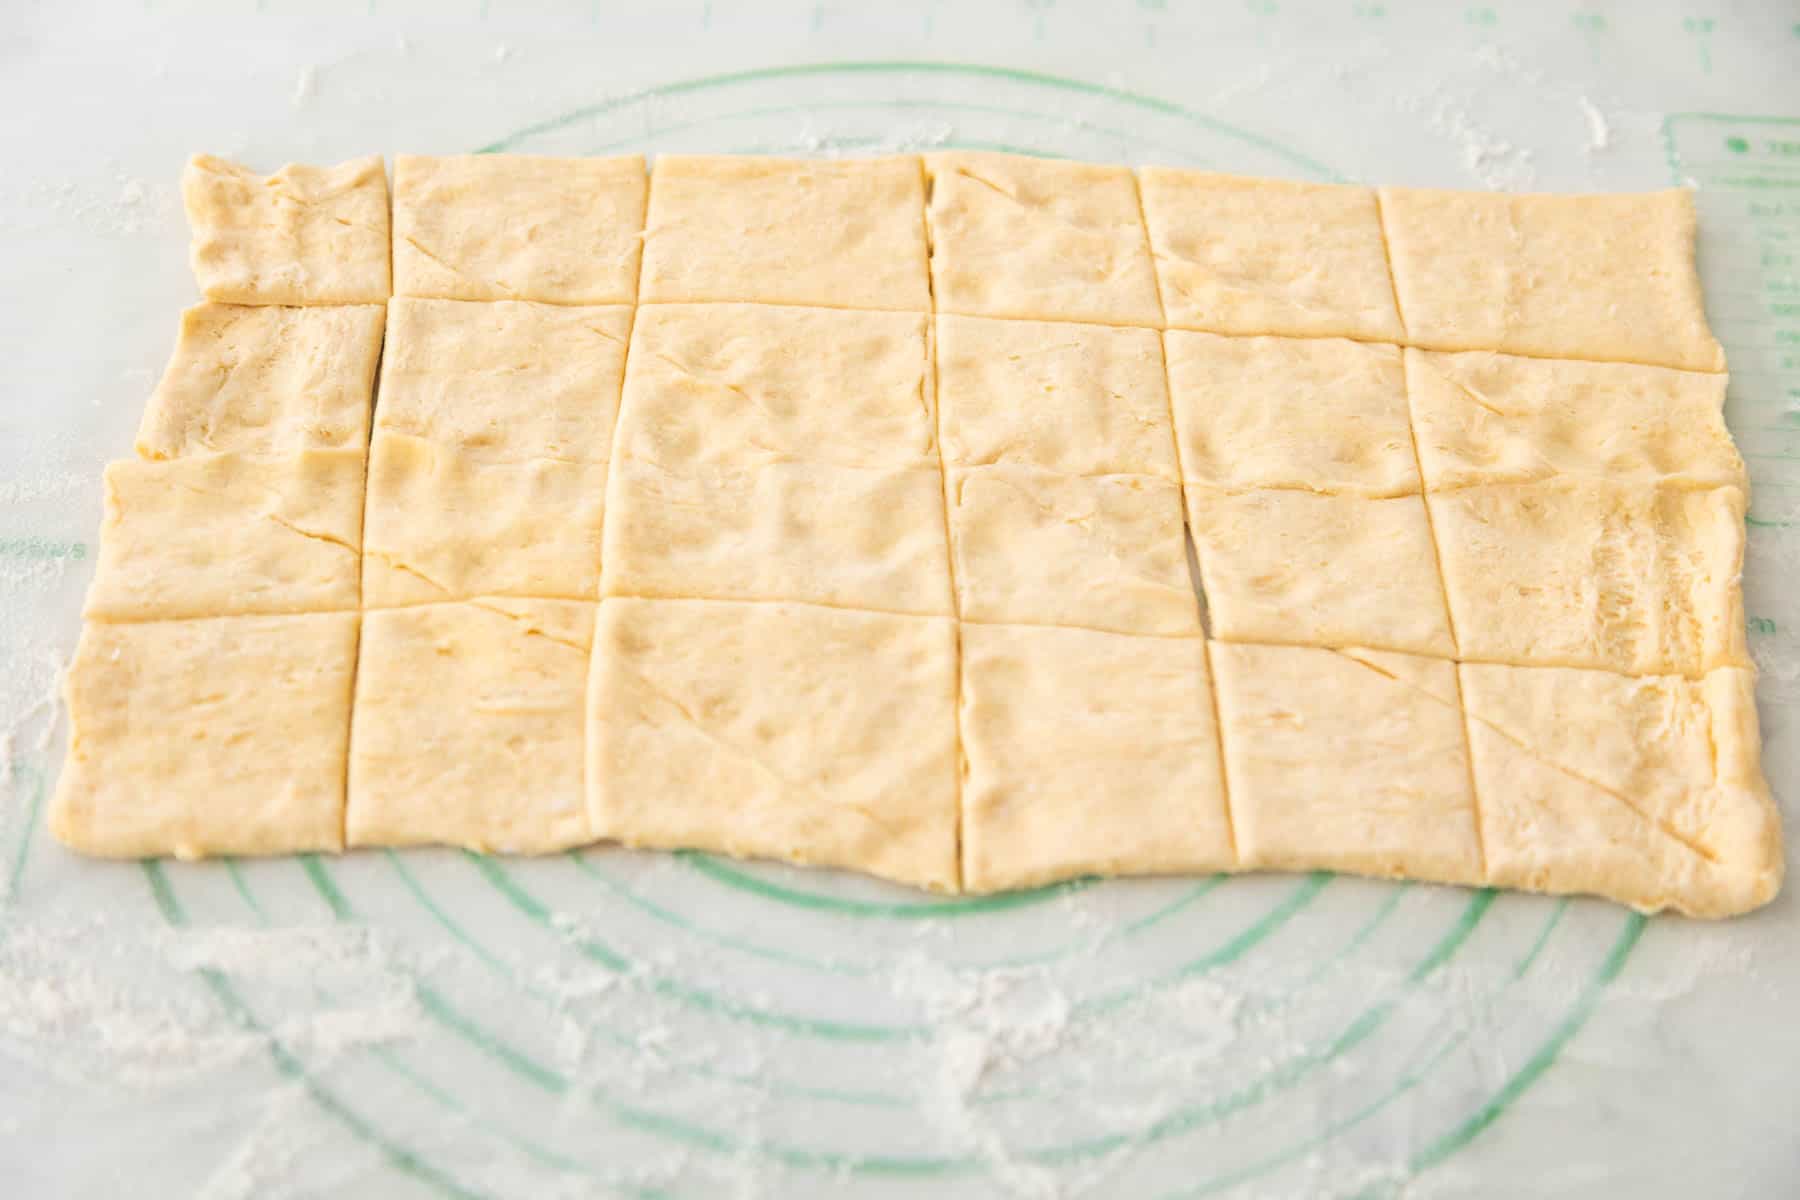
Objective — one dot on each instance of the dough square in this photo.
(1348, 760)
(518, 227)
(1484, 418)
(469, 726)
(504, 380)
(780, 531)
(265, 380)
(445, 526)
(753, 730)
(1646, 790)
(1580, 573)
(1014, 236)
(847, 233)
(1303, 568)
(217, 736)
(1321, 414)
(304, 235)
(1248, 256)
(1088, 753)
(1597, 277)
(227, 534)
(737, 384)
(1077, 399)
(1103, 552)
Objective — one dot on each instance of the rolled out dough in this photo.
(218, 736)
(304, 235)
(265, 380)
(518, 227)
(1020, 237)
(468, 726)
(784, 731)
(1088, 754)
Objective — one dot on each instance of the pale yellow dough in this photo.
(1103, 552)
(1589, 574)
(780, 531)
(1246, 256)
(518, 227)
(445, 526)
(848, 234)
(1076, 399)
(304, 235)
(1497, 418)
(219, 736)
(1319, 414)
(783, 731)
(504, 381)
(226, 534)
(1322, 570)
(1647, 790)
(1088, 753)
(737, 384)
(1596, 277)
(1351, 760)
(265, 380)
(469, 726)
(1020, 237)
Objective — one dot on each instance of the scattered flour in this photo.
(1599, 129)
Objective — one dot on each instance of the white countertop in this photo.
(431, 1023)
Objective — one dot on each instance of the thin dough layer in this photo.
(1588, 574)
(760, 730)
(1088, 754)
(468, 728)
(1596, 277)
(738, 384)
(1248, 256)
(265, 380)
(208, 737)
(519, 227)
(229, 534)
(1316, 414)
(1304, 568)
(1486, 418)
(1020, 237)
(1350, 760)
(504, 381)
(1646, 790)
(847, 233)
(304, 235)
(443, 526)
(781, 531)
(1076, 399)
(1102, 553)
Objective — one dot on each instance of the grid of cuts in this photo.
(970, 520)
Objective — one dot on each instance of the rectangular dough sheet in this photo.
(265, 380)
(518, 227)
(784, 731)
(304, 235)
(966, 519)
(468, 726)
(1020, 237)
(219, 736)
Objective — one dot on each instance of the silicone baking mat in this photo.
(601, 1023)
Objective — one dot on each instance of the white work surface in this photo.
(642, 1024)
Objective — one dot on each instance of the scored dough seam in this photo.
(937, 402)
(1196, 580)
(1437, 555)
(362, 561)
(590, 777)
(1528, 750)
